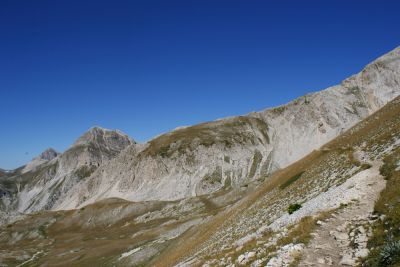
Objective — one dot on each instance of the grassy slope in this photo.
(228, 132)
(329, 166)
(97, 235)
(386, 239)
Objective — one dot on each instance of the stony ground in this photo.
(342, 239)
(336, 186)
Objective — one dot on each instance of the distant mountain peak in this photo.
(97, 134)
(48, 154)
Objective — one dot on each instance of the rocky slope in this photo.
(207, 157)
(247, 226)
(218, 193)
(39, 184)
(335, 188)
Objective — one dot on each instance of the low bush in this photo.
(390, 253)
(293, 207)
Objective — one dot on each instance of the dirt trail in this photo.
(342, 239)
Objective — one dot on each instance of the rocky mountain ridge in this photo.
(44, 157)
(208, 157)
(330, 208)
(204, 158)
(39, 184)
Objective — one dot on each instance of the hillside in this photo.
(208, 157)
(334, 186)
(39, 184)
(330, 184)
(200, 159)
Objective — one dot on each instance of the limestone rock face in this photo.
(231, 152)
(39, 184)
(189, 161)
(314, 119)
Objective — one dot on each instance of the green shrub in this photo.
(365, 166)
(163, 151)
(390, 253)
(293, 207)
(385, 170)
(227, 159)
(42, 230)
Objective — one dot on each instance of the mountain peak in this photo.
(114, 139)
(44, 157)
(48, 154)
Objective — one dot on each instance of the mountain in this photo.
(39, 184)
(44, 157)
(314, 182)
(338, 206)
(333, 207)
(232, 152)
(200, 159)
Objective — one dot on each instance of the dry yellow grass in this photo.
(70, 231)
(192, 241)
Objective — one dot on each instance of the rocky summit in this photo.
(313, 182)
(44, 157)
(48, 177)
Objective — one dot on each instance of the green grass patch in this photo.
(42, 230)
(214, 177)
(227, 159)
(228, 132)
(85, 171)
(257, 158)
(291, 180)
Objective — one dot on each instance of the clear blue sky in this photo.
(146, 67)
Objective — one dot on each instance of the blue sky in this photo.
(146, 67)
